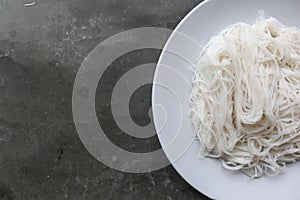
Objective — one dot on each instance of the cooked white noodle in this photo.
(245, 102)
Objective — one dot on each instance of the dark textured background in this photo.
(41, 49)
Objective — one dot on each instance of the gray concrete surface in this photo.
(41, 49)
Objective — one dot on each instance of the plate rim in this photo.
(159, 63)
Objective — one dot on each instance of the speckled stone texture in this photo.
(41, 49)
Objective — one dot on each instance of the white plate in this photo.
(171, 90)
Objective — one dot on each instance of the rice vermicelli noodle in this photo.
(245, 102)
